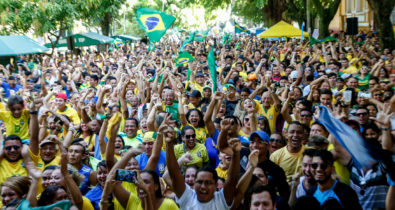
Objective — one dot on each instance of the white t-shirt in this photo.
(189, 201)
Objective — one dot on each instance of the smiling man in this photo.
(12, 163)
(290, 157)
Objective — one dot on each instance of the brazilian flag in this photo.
(154, 22)
(212, 67)
(226, 38)
(240, 29)
(183, 58)
(188, 40)
(201, 35)
(151, 46)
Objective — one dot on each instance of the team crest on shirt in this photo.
(21, 122)
(161, 167)
(270, 117)
(199, 154)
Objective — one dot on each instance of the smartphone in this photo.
(347, 94)
(364, 95)
(125, 175)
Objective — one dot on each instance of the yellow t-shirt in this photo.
(128, 186)
(134, 202)
(86, 204)
(72, 114)
(90, 140)
(9, 169)
(16, 126)
(40, 164)
(198, 87)
(198, 153)
(341, 170)
(271, 115)
(291, 163)
(223, 173)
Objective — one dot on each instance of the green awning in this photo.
(127, 37)
(19, 45)
(85, 39)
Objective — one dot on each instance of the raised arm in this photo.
(285, 108)
(102, 136)
(110, 159)
(33, 127)
(71, 186)
(174, 170)
(233, 171)
(208, 116)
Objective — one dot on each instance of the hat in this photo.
(149, 136)
(262, 135)
(195, 94)
(61, 95)
(46, 141)
(229, 85)
(199, 74)
(207, 87)
(317, 140)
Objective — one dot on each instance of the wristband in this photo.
(384, 129)
(33, 112)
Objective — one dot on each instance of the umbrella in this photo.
(19, 45)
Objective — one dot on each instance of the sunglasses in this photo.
(378, 94)
(361, 114)
(190, 136)
(305, 115)
(275, 140)
(323, 166)
(9, 148)
(247, 119)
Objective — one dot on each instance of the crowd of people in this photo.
(130, 129)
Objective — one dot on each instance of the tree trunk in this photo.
(324, 27)
(382, 12)
(105, 24)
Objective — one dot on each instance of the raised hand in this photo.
(253, 158)
(235, 144)
(226, 124)
(384, 116)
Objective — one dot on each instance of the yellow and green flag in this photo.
(183, 58)
(188, 40)
(201, 35)
(240, 29)
(154, 22)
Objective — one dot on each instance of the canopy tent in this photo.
(283, 29)
(19, 45)
(85, 39)
(127, 37)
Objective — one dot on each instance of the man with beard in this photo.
(168, 105)
(290, 157)
(329, 192)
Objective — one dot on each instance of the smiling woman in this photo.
(14, 188)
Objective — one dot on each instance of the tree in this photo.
(326, 10)
(382, 12)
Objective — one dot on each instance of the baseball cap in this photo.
(61, 95)
(46, 141)
(262, 135)
(195, 94)
(207, 87)
(199, 74)
(229, 85)
(149, 136)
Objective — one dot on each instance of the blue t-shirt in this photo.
(142, 159)
(212, 151)
(84, 186)
(322, 197)
(97, 147)
(7, 88)
(94, 195)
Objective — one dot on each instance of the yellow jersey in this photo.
(9, 169)
(16, 126)
(271, 115)
(86, 204)
(291, 163)
(223, 173)
(72, 114)
(134, 202)
(201, 133)
(199, 154)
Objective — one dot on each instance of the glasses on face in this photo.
(9, 148)
(305, 115)
(190, 136)
(205, 182)
(378, 94)
(323, 166)
(247, 119)
(361, 114)
(275, 140)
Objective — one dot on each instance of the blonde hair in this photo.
(20, 184)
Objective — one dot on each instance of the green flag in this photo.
(154, 22)
(151, 46)
(183, 58)
(212, 67)
(188, 40)
(201, 35)
(240, 29)
(313, 41)
(329, 39)
(226, 39)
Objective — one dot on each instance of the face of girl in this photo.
(8, 195)
(60, 195)
(370, 133)
(190, 176)
(275, 142)
(56, 178)
(258, 172)
(261, 125)
(194, 118)
(16, 110)
(248, 104)
(132, 165)
(102, 175)
(118, 145)
(46, 178)
(149, 181)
